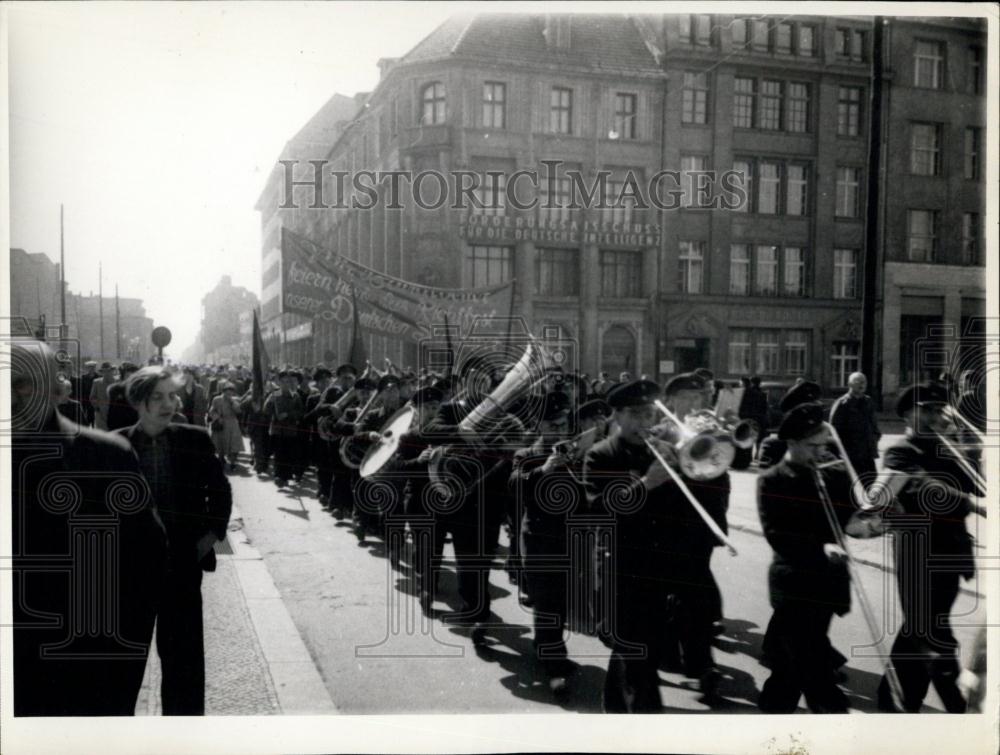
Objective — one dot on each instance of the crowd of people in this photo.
(631, 465)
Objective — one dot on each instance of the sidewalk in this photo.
(255, 661)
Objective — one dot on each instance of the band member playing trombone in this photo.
(934, 492)
(808, 579)
(543, 493)
(697, 601)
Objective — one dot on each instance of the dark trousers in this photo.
(428, 545)
(324, 466)
(260, 442)
(693, 611)
(799, 654)
(925, 651)
(632, 684)
(180, 643)
(548, 586)
(284, 456)
(341, 495)
(475, 535)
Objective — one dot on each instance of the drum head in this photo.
(380, 453)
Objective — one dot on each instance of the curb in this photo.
(297, 681)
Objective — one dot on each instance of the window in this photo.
(766, 277)
(849, 111)
(492, 194)
(850, 43)
(845, 273)
(848, 192)
(619, 207)
(769, 186)
(845, 361)
(555, 200)
(743, 102)
(625, 115)
(621, 274)
(807, 41)
(922, 235)
(489, 265)
(692, 260)
(797, 190)
(691, 163)
(925, 149)
(973, 138)
(783, 39)
(928, 64)
(741, 33)
(739, 269)
(974, 76)
(745, 168)
(695, 98)
(433, 99)
(796, 352)
(767, 352)
(795, 272)
(770, 105)
(561, 111)
(696, 29)
(739, 352)
(394, 118)
(970, 238)
(761, 35)
(557, 272)
(494, 102)
(797, 113)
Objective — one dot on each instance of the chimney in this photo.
(385, 65)
(557, 31)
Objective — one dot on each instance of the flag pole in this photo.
(100, 302)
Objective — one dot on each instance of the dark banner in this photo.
(320, 284)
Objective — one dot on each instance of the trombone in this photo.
(959, 419)
(858, 488)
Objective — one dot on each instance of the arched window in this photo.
(618, 351)
(433, 99)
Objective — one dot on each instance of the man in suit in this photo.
(194, 501)
(853, 417)
(194, 398)
(79, 509)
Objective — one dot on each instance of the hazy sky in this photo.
(156, 125)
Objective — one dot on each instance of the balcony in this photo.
(425, 137)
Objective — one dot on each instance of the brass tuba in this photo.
(488, 425)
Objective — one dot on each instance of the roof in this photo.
(598, 42)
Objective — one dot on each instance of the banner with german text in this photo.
(320, 284)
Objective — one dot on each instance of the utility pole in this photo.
(869, 288)
(100, 303)
(63, 333)
(118, 327)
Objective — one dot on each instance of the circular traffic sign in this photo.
(161, 336)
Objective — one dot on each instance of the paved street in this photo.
(376, 652)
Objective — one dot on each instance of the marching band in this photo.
(641, 474)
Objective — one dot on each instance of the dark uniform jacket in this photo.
(796, 526)
(77, 480)
(290, 405)
(943, 517)
(201, 499)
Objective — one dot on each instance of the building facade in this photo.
(770, 287)
(225, 313)
(108, 328)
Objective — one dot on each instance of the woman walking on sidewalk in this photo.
(224, 421)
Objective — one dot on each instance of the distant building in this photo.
(35, 291)
(224, 336)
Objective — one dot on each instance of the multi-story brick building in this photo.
(771, 288)
(934, 198)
